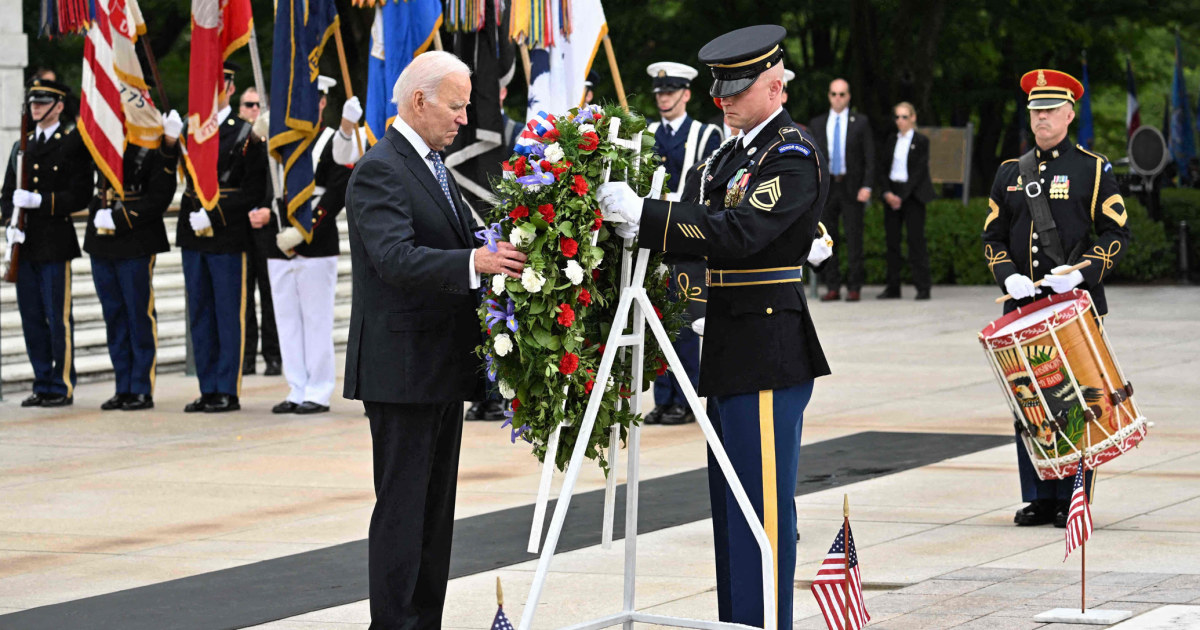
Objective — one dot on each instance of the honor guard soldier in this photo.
(50, 188)
(1055, 206)
(214, 245)
(124, 237)
(755, 219)
(304, 277)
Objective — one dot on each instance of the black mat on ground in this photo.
(292, 585)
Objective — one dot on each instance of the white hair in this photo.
(425, 75)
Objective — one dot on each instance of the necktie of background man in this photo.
(839, 160)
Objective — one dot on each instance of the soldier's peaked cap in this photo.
(668, 76)
(738, 57)
(1048, 89)
(47, 91)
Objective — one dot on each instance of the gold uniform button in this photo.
(35, 167)
(35, 179)
(770, 310)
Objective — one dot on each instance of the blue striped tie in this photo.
(837, 165)
(439, 170)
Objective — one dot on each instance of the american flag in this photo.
(1079, 517)
(101, 116)
(829, 587)
(501, 621)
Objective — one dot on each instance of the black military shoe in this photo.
(274, 368)
(248, 366)
(200, 404)
(286, 406)
(138, 402)
(1040, 512)
(1061, 509)
(220, 403)
(57, 400)
(889, 294)
(309, 406)
(681, 415)
(34, 400)
(655, 416)
(114, 403)
(474, 412)
(922, 295)
(493, 410)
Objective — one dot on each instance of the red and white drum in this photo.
(1063, 383)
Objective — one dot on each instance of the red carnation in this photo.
(547, 212)
(569, 363)
(552, 135)
(601, 349)
(585, 297)
(590, 141)
(587, 387)
(519, 167)
(658, 312)
(596, 223)
(597, 115)
(520, 212)
(516, 404)
(581, 186)
(505, 166)
(566, 315)
(545, 165)
(569, 246)
(563, 167)
(662, 367)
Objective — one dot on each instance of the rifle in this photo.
(14, 252)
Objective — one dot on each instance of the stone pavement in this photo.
(99, 502)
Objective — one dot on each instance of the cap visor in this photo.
(1046, 103)
(722, 88)
(45, 100)
(667, 89)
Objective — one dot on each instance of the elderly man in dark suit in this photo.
(846, 138)
(413, 332)
(906, 189)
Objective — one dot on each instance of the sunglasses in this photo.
(250, 104)
(839, 94)
(902, 116)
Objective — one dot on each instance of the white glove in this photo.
(199, 221)
(288, 239)
(618, 199)
(1020, 287)
(626, 230)
(26, 199)
(352, 110)
(821, 250)
(14, 235)
(172, 125)
(1066, 281)
(104, 219)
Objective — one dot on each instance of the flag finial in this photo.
(499, 593)
(845, 506)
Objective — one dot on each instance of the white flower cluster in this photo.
(506, 390)
(503, 344)
(574, 272)
(498, 284)
(532, 280)
(586, 128)
(520, 237)
(554, 153)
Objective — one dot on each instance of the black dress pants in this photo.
(842, 204)
(415, 451)
(258, 275)
(911, 218)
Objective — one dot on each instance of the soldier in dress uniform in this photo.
(304, 278)
(214, 245)
(1088, 223)
(755, 218)
(124, 236)
(57, 187)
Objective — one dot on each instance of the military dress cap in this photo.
(231, 69)
(1048, 89)
(738, 57)
(47, 91)
(324, 83)
(670, 76)
(592, 79)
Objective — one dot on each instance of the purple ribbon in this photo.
(497, 316)
(538, 178)
(490, 235)
(516, 432)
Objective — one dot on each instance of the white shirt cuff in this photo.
(474, 281)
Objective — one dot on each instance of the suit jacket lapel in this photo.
(420, 169)
(464, 218)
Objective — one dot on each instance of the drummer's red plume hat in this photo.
(1048, 89)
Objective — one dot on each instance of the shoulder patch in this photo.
(792, 146)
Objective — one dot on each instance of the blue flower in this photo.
(491, 367)
(495, 315)
(537, 178)
(490, 235)
(516, 432)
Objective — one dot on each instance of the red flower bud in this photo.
(569, 246)
(519, 167)
(516, 404)
(520, 212)
(662, 367)
(658, 312)
(547, 212)
(585, 297)
(569, 363)
(587, 387)
(581, 186)
(566, 315)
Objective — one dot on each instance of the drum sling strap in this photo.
(1039, 207)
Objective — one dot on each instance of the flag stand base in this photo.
(1091, 616)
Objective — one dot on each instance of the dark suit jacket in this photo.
(860, 148)
(919, 185)
(413, 326)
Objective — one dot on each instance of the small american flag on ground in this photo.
(501, 621)
(829, 587)
(1079, 517)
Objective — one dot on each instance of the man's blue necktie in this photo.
(837, 166)
(439, 169)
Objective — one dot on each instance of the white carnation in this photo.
(520, 237)
(498, 284)
(574, 272)
(599, 258)
(503, 344)
(554, 153)
(586, 128)
(662, 270)
(532, 280)
(506, 390)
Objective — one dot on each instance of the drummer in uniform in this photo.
(57, 187)
(755, 219)
(1089, 223)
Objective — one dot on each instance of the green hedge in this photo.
(1183, 204)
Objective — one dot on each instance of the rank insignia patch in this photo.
(766, 195)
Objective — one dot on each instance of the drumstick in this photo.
(1064, 272)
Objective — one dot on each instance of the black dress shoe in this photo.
(474, 412)
(1061, 509)
(673, 414)
(248, 367)
(493, 410)
(831, 295)
(200, 404)
(137, 402)
(309, 406)
(115, 402)
(220, 403)
(274, 368)
(655, 415)
(286, 406)
(889, 295)
(679, 418)
(1040, 512)
(34, 400)
(922, 295)
(57, 400)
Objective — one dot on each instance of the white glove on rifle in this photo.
(199, 221)
(821, 250)
(172, 125)
(288, 239)
(618, 199)
(1066, 281)
(104, 219)
(1020, 287)
(25, 199)
(14, 236)
(352, 110)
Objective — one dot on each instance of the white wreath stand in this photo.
(632, 314)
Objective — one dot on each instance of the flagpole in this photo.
(526, 65)
(158, 84)
(256, 66)
(341, 50)
(616, 72)
(846, 557)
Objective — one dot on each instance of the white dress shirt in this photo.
(899, 171)
(675, 124)
(748, 136)
(223, 113)
(45, 133)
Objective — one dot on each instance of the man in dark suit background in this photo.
(906, 189)
(413, 331)
(846, 138)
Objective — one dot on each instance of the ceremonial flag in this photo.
(558, 72)
(1183, 140)
(1133, 114)
(219, 27)
(401, 31)
(501, 621)
(59, 17)
(834, 579)
(1079, 516)
(1087, 132)
(301, 29)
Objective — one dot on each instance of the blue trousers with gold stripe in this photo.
(761, 434)
(216, 293)
(44, 301)
(1033, 488)
(126, 292)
